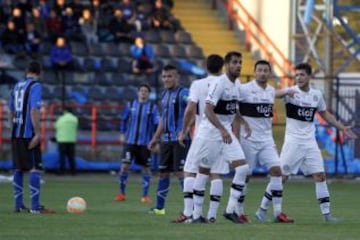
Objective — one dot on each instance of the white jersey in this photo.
(223, 94)
(256, 106)
(198, 92)
(300, 112)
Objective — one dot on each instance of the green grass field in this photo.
(106, 219)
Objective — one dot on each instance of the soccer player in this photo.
(172, 154)
(300, 149)
(24, 118)
(256, 105)
(139, 121)
(214, 137)
(196, 107)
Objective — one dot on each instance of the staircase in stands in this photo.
(210, 31)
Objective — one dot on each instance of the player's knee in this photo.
(319, 177)
(275, 171)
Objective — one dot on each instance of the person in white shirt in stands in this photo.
(215, 138)
(196, 107)
(256, 106)
(300, 149)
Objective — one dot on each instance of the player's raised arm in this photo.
(331, 119)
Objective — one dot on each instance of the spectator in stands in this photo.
(54, 25)
(77, 8)
(143, 56)
(44, 9)
(66, 127)
(19, 20)
(25, 6)
(71, 26)
(61, 55)
(11, 39)
(120, 28)
(162, 18)
(88, 26)
(60, 7)
(62, 60)
(142, 21)
(128, 10)
(39, 22)
(32, 40)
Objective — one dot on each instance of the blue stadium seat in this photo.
(89, 64)
(110, 49)
(96, 50)
(194, 51)
(152, 36)
(162, 51)
(79, 49)
(183, 37)
(47, 92)
(124, 65)
(178, 51)
(167, 37)
(108, 64)
(124, 50)
(50, 77)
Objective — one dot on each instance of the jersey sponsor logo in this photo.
(224, 107)
(305, 114)
(258, 110)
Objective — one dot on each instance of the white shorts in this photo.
(304, 156)
(260, 153)
(192, 164)
(214, 154)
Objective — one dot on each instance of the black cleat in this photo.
(233, 217)
(23, 209)
(201, 219)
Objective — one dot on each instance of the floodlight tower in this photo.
(314, 39)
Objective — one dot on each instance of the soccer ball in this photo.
(76, 205)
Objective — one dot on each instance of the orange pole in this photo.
(1, 125)
(43, 127)
(93, 128)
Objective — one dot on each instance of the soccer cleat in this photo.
(42, 210)
(233, 217)
(119, 197)
(244, 219)
(200, 219)
(282, 218)
(212, 220)
(155, 211)
(260, 215)
(23, 209)
(183, 219)
(145, 199)
(330, 219)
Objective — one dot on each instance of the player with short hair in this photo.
(215, 138)
(256, 106)
(24, 119)
(172, 154)
(196, 107)
(139, 121)
(300, 149)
